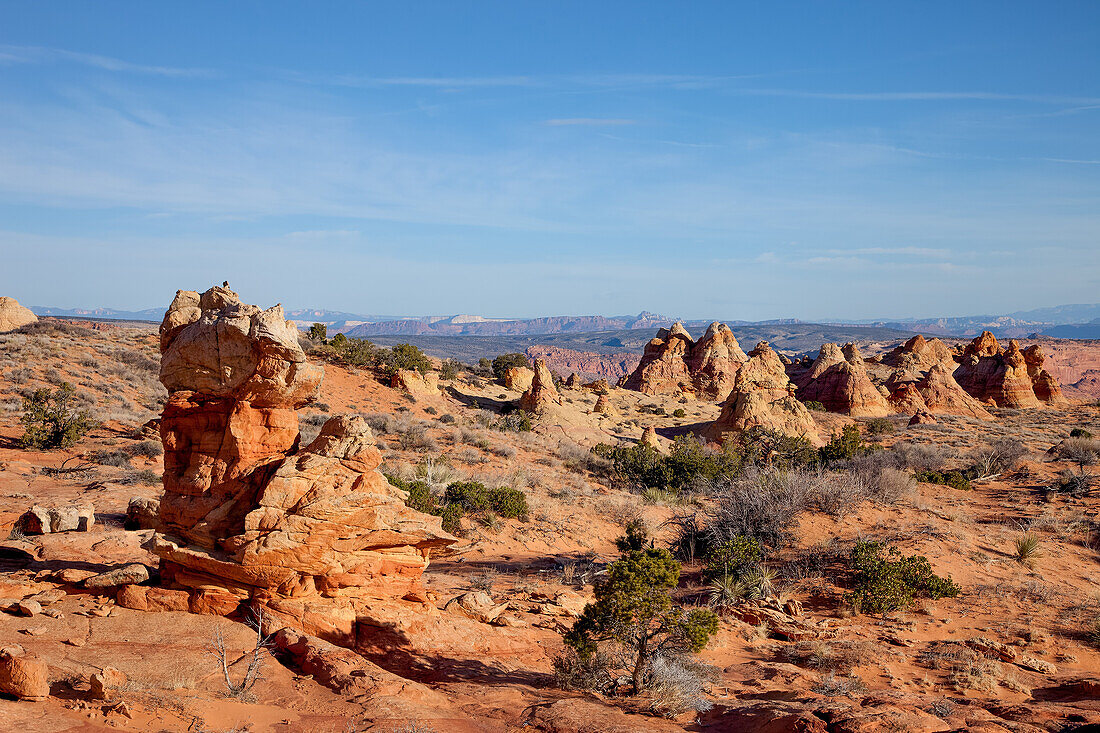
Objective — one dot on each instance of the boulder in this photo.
(519, 378)
(142, 513)
(47, 520)
(476, 605)
(413, 382)
(13, 315)
(922, 417)
(649, 437)
(103, 683)
(542, 394)
(838, 380)
(132, 574)
(763, 396)
(22, 675)
(603, 405)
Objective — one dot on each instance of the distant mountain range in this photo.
(1080, 321)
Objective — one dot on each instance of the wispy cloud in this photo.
(893, 251)
(919, 96)
(42, 55)
(590, 121)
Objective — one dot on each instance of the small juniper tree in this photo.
(318, 332)
(49, 420)
(634, 611)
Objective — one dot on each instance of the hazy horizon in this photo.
(521, 160)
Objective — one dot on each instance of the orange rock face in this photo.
(246, 515)
(542, 394)
(943, 394)
(1005, 377)
(763, 396)
(839, 381)
(675, 364)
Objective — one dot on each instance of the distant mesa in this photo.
(13, 315)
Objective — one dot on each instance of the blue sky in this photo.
(729, 160)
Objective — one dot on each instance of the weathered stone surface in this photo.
(763, 396)
(838, 380)
(942, 394)
(1046, 387)
(13, 315)
(216, 346)
(673, 363)
(1002, 377)
(922, 417)
(476, 605)
(649, 437)
(142, 513)
(245, 513)
(542, 394)
(103, 684)
(132, 574)
(519, 378)
(603, 405)
(22, 675)
(919, 355)
(415, 383)
(67, 518)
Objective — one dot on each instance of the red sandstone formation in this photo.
(1004, 377)
(838, 380)
(919, 355)
(518, 378)
(675, 364)
(763, 396)
(587, 365)
(542, 394)
(942, 394)
(245, 516)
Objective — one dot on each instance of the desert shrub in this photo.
(835, 656)
(1082, 451)
(144, 476)
(579, 459)
(452, 518)
(920, 456)
(504, 362)
(679, 412)
(836, 492)
(733, 557)
(761, 447)
(449, 369)
(1027, 549)
(421, 497)
(1074, 483)
(447, 419)
(885, 580)
(814, 405)
(689, 460)
(846, 444)
(677, 683)
(1080, 433)
(590, 672)
(633, 613)
(954, 479)
(998, 457)
(115, 458)
(146, 449)
(689, 536)
(515, 421)
(50, 421)
(761, 504)
(879, 426)
(504, 451)
(318, 332)
(406, 356)
(634, 538)
(508, 502)
(381, 422)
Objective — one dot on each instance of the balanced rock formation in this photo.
(838, 380)
(243, 510)
(13, 315)
(763, 396)
(519, 378)
(675, 364)
(542, 394)
(1003, 376)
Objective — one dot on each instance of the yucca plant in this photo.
(726, 590)
(1027, 549)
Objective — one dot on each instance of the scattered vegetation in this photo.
(462, 498)
(50, 420)
(364, 353)
(504, 362)
(885, 580)
(1027, 549)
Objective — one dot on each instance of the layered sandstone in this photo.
(245, 511)
(542, 394)
(13, 315)
(673, 363)
(763, 397)
(838, 380)
(519, 378)
(919, 354)
(1003, 376)
(942, 394)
